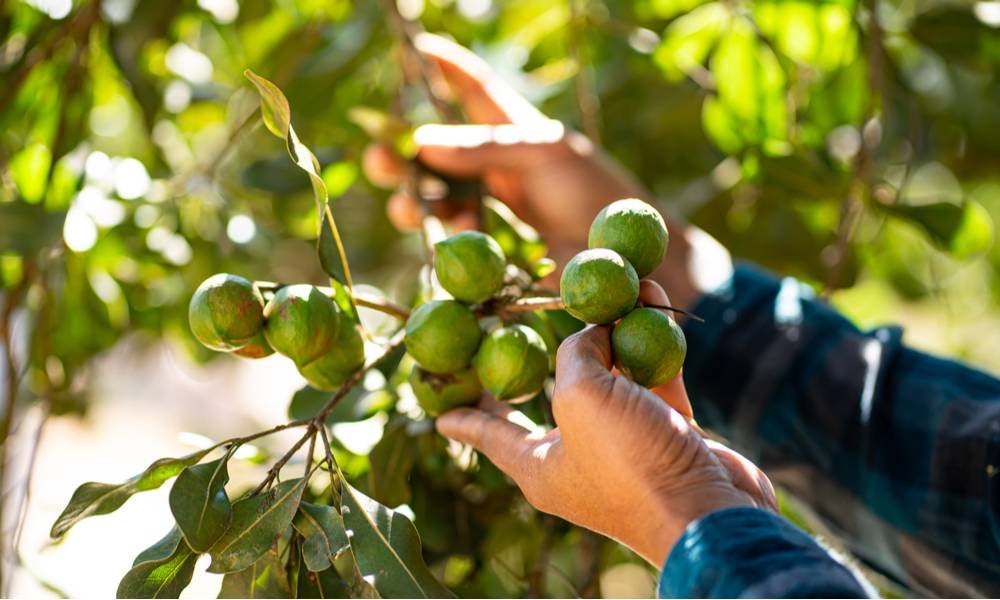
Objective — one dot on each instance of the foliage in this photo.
(848, 143)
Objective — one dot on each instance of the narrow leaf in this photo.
(256, 523)
(277, 117)
(95, 498)
(273, 104)
(386, 546)
(323, 534)
(161, 571)
(263, 579)
(200, 505)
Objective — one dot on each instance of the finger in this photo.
(383, 167)
(506, 444)
(746, 476)
(485, 97)
(404, 211)
(508, 413)
(673, 392)
(583, 363)
(469, 150)
(650, 292)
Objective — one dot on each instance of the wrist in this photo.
(671, 516)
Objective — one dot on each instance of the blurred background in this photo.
(852, 144)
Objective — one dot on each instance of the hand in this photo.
(623, 460)
(553, 178)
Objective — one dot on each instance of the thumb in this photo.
(583, 364)
(470, 150)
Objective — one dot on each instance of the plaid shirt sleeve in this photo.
(897, 451)
(753, 553)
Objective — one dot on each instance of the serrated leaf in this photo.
(392, 461)
(273, 105)
(256, 523)
(95, 498)
(200, 505)
(265, 578)
(323, 535)
(161, 571)
(386, 546)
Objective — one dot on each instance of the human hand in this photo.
(551, 177)
(623, 460)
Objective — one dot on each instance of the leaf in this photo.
(520, 242)
(29, 169)
(323, 584)
(95, 498)
(323, 534)
(392, 461)
(257, 521)
(689, 39)
(265, 578)
(964, 229)
(200, 505)
(161, 571)
(274, 107)
(278, 118)
(386, 546)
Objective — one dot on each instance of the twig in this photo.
(26, 498)
(679, 311)
(314, 425)
(272, 473)
(385, 306)
(852, 205)
(403, 31)
(309, 454)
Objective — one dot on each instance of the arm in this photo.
(897, 449)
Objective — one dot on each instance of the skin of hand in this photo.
(552, 177)
(622, 460)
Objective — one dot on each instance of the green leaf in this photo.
(964, 229)
(357, 405)
(323, 535)
(689, 39)
(386, 546)
(392, 461)
(520, 242)
(277, 117)
(257, 521)
(323, 584)
(95, 498)
(29, 169)
(265, 578)
(200, 505)
(161, 571)
(751, 89)
(273, 105)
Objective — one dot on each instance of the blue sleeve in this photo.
(752, 553)
(896, 450)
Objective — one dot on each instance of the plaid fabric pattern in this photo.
(752, 553)
(895, 449)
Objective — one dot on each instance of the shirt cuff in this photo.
(748, 553)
